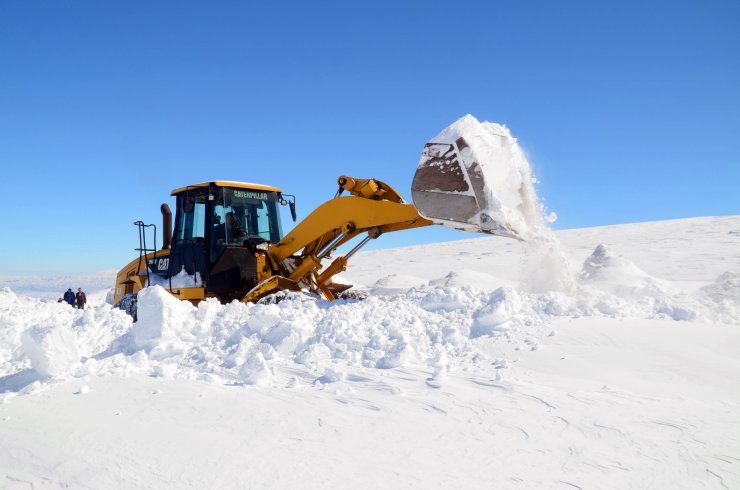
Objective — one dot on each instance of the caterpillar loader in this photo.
(228, 243)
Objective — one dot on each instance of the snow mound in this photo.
(466, 277)
(255, 370)
(725, 289)
(244, 343)
(51, 350)
(607, 268)
(612, 283)
(166, 319)
(723, 296)
(495, 315)
(395, 283)
(617, 274)
(444, 321)
(50, 338)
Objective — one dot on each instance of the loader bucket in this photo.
(450, 189)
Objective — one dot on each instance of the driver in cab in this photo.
(231, 232)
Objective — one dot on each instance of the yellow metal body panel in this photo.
(228, 183)
(132, 279)
(194, 295)
(330, 217)
(263, 268)
(130, 273)
(369, 189)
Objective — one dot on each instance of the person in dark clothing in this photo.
(231, 231)
(80, 299)
(69, 297)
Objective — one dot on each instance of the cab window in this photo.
(192, 218)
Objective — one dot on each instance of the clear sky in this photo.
(629, 111)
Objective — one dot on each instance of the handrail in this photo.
(143, 250)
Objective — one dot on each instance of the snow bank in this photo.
(51, 350)
(723, 296)
(164, 320)
(437, 327)
(52, 339)
(607, 268)
(494, 316)
(466, 277)
(442, 323)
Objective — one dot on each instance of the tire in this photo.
(129, 304)
(353, 294)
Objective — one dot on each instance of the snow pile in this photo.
(437, 327)
(723, 296)
(465, 277)
(612, 272)
(396, 283)
(439, 319)
(255, 370)
(236, 342)
(612, 284)
(51, 350)
(222, 340)
(164, 320)
(500, 308)
(54, 339)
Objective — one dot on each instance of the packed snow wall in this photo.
(435, 327)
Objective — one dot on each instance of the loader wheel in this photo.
(353, 294)
(275, 298)
(129, 304)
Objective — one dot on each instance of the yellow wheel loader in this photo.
(228, 244)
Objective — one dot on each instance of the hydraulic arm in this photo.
(295, 262)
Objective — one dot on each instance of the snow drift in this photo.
(243, 343)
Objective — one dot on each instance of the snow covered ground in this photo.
(609, 363)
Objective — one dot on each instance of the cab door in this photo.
(189, 247)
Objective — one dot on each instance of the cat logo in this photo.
(160, 264)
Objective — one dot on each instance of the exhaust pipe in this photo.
(166, 226)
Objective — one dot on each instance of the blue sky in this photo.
(628, 111)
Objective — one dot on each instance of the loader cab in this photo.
(221, 228)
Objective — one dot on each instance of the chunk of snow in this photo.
(51, 350)
(161, 317)
(255, 370)
(502, 305)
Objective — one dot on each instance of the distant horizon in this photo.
(378, 247)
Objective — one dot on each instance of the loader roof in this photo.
(228, 183)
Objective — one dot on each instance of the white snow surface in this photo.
(53, 287)
(455, 372)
